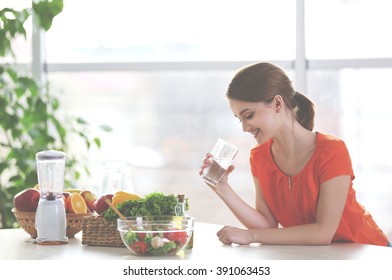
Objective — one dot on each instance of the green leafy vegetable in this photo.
(130, 237)
(153, 204)
(164, 249)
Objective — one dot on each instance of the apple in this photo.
(65, 197)
(66, 194)
(89, 197)
(100, 204)
(27, 200)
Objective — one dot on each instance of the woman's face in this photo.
(258, 118)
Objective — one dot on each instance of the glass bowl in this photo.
(155, 235)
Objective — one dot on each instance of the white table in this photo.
(15, 244)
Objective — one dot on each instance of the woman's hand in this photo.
(229, 235)
(207, 161)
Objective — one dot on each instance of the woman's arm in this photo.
(332, 199)
(250, 217)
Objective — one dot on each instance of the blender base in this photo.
(54, 242)
(51, 222)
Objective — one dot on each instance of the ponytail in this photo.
(305, 111)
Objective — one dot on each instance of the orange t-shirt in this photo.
(295, 203)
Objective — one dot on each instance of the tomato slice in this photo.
(141, 235)
(139, 247)
(179, 236)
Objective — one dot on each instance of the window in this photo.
(160, 84)
(172, 30)
(348, 29)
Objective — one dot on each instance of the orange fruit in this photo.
(122, 196)
(73, 190)
(76, 204)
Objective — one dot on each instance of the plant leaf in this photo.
(105, 127)
(46, 11)
(97, 142)
(81, 121)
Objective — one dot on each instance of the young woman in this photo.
(303, 179)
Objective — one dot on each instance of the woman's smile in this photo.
(255, 132)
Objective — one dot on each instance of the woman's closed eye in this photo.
(246, 117)
(249, 116)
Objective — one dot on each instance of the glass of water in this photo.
(223, 154)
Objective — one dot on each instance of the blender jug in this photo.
(50, 218)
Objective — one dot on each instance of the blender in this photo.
(50, 218)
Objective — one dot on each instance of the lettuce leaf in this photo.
(153, 204)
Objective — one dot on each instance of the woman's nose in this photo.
(245, 127)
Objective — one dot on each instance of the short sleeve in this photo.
(252, 162)
(259, 158)
(335, 161)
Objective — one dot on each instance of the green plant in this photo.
(30, 119)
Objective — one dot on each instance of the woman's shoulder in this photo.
(260, 156)
(325, 140)
(333, 157)
(330, 144)
(261, 148)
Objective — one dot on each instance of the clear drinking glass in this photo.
(116, 177)
(223, 155)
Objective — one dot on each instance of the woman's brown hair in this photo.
(261, 82)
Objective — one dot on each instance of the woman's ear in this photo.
(278, 103)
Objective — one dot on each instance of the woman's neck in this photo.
(292, 140)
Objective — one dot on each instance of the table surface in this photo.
(16, 244)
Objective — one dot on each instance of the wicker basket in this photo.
(27, 221)
(98, 232)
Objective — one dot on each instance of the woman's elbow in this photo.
(325, 238)
(325, 241)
